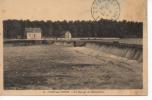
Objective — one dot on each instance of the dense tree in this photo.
(102, 28)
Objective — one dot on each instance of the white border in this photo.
(109, 97)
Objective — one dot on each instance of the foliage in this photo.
(102, 28)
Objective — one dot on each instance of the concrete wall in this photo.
(131, 52)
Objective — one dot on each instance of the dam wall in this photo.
(129, 51)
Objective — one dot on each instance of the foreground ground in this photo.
(61, 67)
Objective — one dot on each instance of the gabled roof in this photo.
(33, 30)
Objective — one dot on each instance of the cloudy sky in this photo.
(65, 9)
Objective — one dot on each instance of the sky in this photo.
(132, 10)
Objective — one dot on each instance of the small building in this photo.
(33, 33)
(67, 35)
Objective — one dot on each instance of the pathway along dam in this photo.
(48, 64)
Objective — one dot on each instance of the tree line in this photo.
(78, 29)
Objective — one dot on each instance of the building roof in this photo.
(33, 30)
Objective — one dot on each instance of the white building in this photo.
(33, 33)
(67, 35)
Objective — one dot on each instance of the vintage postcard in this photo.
(73, 47)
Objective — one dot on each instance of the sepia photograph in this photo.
(73, 47)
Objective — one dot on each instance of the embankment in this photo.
(129, 51)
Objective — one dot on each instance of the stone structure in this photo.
(33, 33)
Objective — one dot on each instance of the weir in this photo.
(129, 51)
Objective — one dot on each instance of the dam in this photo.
(101, 55)
(74, 64)
(116, 48)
